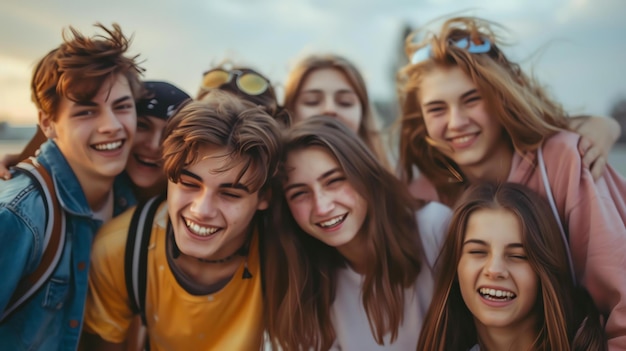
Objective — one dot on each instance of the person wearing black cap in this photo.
(144, 167)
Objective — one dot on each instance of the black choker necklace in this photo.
(242, 251)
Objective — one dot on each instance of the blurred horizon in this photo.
(572, 46)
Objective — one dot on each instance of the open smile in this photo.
(496, 294)
(333, 222)
(148, 162)
(463, 140)
(200, 230)
(109, 146)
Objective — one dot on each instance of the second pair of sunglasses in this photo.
(248, 82)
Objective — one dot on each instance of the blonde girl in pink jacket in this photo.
(469, 114)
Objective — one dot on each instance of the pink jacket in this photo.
(592, 213)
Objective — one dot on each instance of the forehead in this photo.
(307, 164)
(216, 164)
(326, 79)
(495, 226)
(109, 92)
(444, 83)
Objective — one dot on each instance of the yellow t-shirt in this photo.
(230, 319)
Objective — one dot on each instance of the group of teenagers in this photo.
(288, 227)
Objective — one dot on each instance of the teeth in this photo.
(461, 140)
(199, 230)
(108, 146)
(148, 161)
(496, 294)
(332, 222)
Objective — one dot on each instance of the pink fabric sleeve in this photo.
(593, 215)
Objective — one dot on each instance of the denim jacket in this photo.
(52, 318)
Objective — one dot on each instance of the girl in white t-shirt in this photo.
(349, 266)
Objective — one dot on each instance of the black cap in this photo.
(161, 100)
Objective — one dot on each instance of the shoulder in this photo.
(21, 201)
(111, 238)
(124, 194)
(421, 188)
(562, 158)
(563, 143)
(433, 217)
(433, 220)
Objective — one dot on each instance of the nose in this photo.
(330, 108)
(155, 141)
(458, 118)
(324, 203)
(203, 206)
(495, 268)
(109, 123)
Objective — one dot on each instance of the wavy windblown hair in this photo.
(449, 324)
(79, 67)
(367, 128)
(301, 270)
(249, 134)
(518, 102)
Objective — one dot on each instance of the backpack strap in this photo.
(54, 236)
(136, 255)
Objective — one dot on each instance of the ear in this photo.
(47, 125)
(264, 199)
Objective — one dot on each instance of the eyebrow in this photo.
(482, 242)
(91, 103)
(463, 96)
(320, 178)
(238, 186)
(320, 91)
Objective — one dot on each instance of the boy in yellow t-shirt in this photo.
(204, 289)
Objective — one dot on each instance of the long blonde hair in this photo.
(520, 104)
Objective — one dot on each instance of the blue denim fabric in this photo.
(52, 318)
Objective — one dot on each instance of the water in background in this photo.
(617, 158)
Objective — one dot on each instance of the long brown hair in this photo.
(367, 128)
(519, 103)
(300, 272)
(563, 308)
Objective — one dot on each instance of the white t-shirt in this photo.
(348, 314)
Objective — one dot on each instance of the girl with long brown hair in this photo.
(331, 85)
(504, 281)
(469, 114)
(349, 264)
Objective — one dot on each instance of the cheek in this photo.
(141, 136)
(466, 274)
(352, 118)
(300, 213)
(129, 121)
(304, 111)
(434, 126)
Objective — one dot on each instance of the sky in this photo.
(576, 48)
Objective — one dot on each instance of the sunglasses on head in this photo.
(481, 46)
(248, 82)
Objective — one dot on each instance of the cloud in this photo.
(179, 40)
